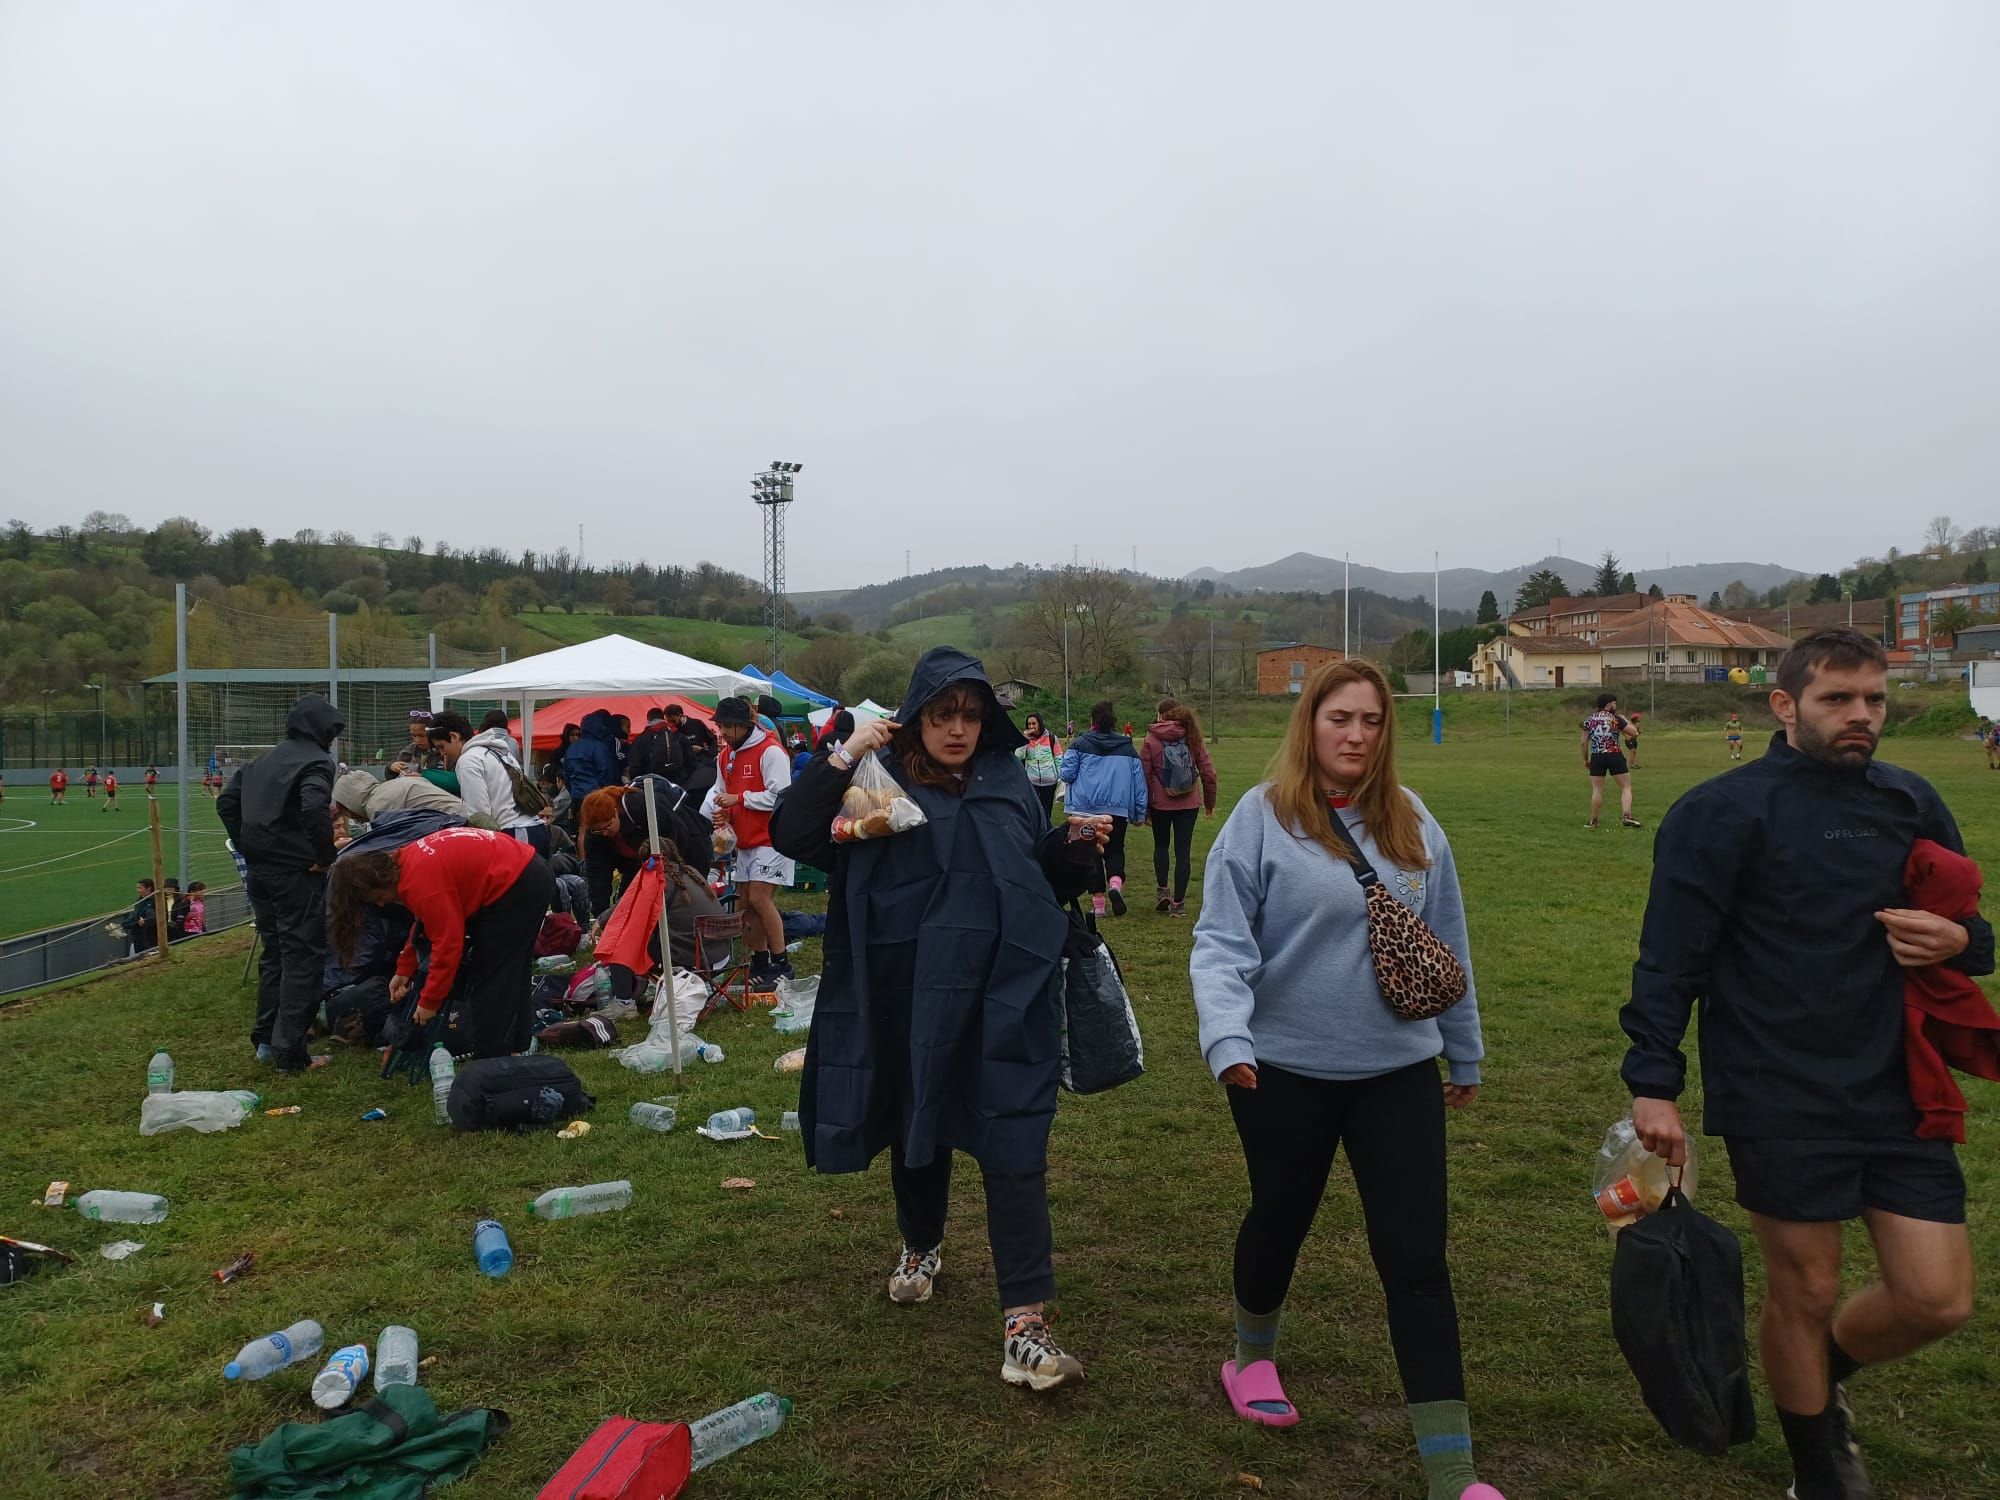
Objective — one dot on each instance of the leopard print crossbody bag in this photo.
(1418, 975)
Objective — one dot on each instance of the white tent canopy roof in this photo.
(609, 664)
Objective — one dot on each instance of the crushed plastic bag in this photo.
(793, 1061)
(874, 806)
(796, 999)
(1631, 1182)
(119, 1249)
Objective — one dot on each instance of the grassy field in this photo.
(705, 640)
(695, 1297)
(59, 864)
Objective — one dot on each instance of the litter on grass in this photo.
(573, 1130)
(739, 1184)
(119, 1249)
(157, 1316)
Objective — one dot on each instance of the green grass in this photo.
(695, 1297)
(78, 860)
(705, 640)
(935, 630)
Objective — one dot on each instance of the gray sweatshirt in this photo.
(1281, 968)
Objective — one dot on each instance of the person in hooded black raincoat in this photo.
(279, 813)
(938, 1026)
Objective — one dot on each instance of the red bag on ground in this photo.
(559, 935)
(625, 1460)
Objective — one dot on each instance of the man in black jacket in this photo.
(1778, 904)
(693, 755)
(652, 750)
(278, 810)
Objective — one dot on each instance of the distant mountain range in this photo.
(1460, 588)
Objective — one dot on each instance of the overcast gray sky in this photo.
(1223, 281)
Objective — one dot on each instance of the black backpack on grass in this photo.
(515, 1093)
(1677, 1313)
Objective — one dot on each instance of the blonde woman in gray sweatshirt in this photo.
(1312, 1058)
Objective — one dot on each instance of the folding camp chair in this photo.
(722, 960)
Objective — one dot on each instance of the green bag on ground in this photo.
(394, 1446)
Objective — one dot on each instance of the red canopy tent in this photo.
(550, 717)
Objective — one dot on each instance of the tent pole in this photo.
(666, 947)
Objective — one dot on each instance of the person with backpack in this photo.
(1780, 905)
(592, 759)
(491, 783)
(1041, 757)
(466, 887)
(1180, 780)
(1296, 1026)
(1104, 777)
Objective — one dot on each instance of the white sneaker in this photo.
(1031, 1357)
(910, 1283)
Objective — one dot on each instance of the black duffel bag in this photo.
(515, 1093)
(1677, 1313)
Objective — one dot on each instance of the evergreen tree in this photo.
(1608, 574)
(1489, 607)
(1825, 590)
(1714, 600)
(1628, 584)
(1975, 571)
(1655, 592)
(1538, 588)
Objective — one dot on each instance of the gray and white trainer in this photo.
(1032, 1357)
(911, 1281)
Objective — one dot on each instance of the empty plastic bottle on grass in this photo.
(693, 1047)
(575, 1202)
(396, 1357)
(721, 1433)
(160, 1073)
(270, 1354)
(336, 1384)
(442, 1073)
(658, 1117)
(724, 1121)
(490, 1248)
(204, 1111)
(108, 1206)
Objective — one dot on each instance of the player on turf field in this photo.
(58, 787)
(1632, 740)
(1732, 735)
(90, 784)
(1602, 757)
(152, 779)
(110, 791)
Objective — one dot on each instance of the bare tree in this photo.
(1181, 646)
(1095, 610)
(1940, 534)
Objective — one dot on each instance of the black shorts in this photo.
(1609, 765)
(1820, 1181)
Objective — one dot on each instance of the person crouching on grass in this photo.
(461, 884)
(752, 769)
(939, 1025)
(1295, 1027)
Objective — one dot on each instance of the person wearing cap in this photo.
(360, 797)
(751, 771)
(939, 1026)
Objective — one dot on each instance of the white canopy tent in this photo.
(609, 664)
(862, 714)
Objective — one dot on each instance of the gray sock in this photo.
(1256, 1335)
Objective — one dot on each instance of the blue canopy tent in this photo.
(792, 685)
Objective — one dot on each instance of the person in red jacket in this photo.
(1180, 779)
(465, 886)
(752, 769)
(58, 787)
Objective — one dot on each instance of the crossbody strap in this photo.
(1364, 872)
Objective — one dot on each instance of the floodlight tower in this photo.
(772, 490)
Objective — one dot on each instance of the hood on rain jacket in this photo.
(592, 761)
(1105, 775)
(278, 809)
(483, 782)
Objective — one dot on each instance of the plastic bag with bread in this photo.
(874, 806)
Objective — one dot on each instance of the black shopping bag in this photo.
(1101, 1046)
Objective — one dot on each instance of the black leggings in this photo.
(497, 977)
(1179, 827)
(1113, 862)
(1017, 1223)
(1048, 796)
(1393, 1127)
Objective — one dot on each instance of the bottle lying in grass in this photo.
(396, 1357)
(270, 1354)
(658, 1117)
(729, 1121)
(160, 1073)
(491, 1249)
(575, 1202)
(108, 1206)
(442, 1072)
(336, 1384)
(721, 1433)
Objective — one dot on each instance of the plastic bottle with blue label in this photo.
(336, 1384)
(491, 1249)
(270, 1354)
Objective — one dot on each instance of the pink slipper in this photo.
(1482, 1492)
(1257, 1387)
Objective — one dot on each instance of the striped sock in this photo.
(1256, 1335)
(1444, 1443)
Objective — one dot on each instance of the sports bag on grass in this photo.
(1417, 974)
(1677, 1313)
(625, 1460)
(1100, 1039)
(392, 1446)
(515, 1093)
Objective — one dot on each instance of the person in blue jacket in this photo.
(1106, 777)
(592, 761)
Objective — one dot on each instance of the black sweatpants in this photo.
(1393, 1128)
(1113, 862)
(497, 975)
(1048, 796)
(289, 907)
(1017, 1223)
(1177, 826)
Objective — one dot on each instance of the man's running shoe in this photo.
(1632, 823)
(1032, 1358)
(910, 1283)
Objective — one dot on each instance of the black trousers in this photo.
(497, 975)
(289, 907)
(1177, 827)
(1048, 796)
(1393, 1128)
(1113, 862)
(1017, 1223)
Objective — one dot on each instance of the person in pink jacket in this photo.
(1180, 780)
